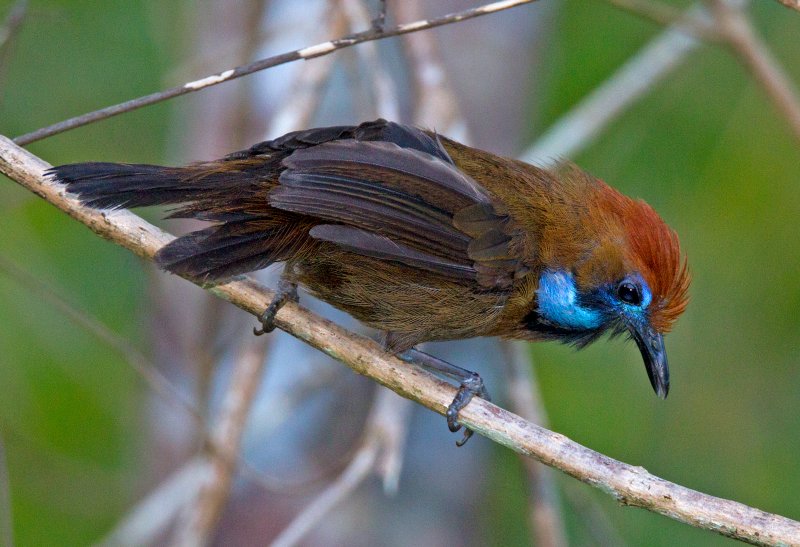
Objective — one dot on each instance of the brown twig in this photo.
(577, 129)
(793, 4)
(436, 104)
(384, 94)
(201, 516)
(628, 484)
(757, 58)
(8, 31)
(544, 511)
(667, 15)
(300, 103)
(378, 453)
(309, 52)
(159, 383)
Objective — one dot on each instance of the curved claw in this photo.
(286, 291)
(467, 434)
(471, 386)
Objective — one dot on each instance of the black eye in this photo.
(630, 293)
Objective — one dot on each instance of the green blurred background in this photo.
(706, 148)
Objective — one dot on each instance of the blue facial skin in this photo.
(561, 305)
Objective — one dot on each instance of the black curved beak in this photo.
(651, 344)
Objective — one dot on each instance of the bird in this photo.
(420, 237)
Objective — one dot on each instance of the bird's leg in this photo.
(471, 384)
(287, 290)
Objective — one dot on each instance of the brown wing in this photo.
(407, 204)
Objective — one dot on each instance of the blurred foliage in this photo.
(711, 153)
(706, 148)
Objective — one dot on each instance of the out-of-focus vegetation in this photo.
(707, 149)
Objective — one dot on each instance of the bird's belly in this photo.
(392, 297)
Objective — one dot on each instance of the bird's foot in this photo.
(471, 384)
(287, 291)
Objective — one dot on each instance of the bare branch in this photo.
(384, 94)
(628, 484)
(159, 383)
(578, 129)
(667, 15)
(151, 517)
(8, 31)
(757, 58)
(301, 102)
(12, 24)
(544, 512)
(793, 4)
(201, 517)
(385, 429)
(309, 52)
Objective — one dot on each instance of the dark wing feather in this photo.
(378, 246)
(400, 203)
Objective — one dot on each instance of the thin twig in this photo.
(8, 31)
(667, 15)
(793, 4)
(544, 511)
(628, 484)
(159, 383)
(757, 58)
(201, 516)
(578, 129)
(436, 104)
(6, 514)
(309, 52)
(146, 523)
(11, 25)
(385, 428)
(301, 102)
(384, 94)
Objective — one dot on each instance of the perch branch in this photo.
(792, 4)
(630, 485)
(309, 52)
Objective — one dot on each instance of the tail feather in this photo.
(249, 234)
(121, 185)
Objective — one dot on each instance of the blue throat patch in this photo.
(558, 303)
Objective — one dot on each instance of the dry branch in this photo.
(793, 4)
(754, 53)
(630, 485)
(201, 516)
(309, 52)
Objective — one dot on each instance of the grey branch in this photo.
(793, 4)
(751, 50)
(630, 485)
(201, 516)
(309, 52)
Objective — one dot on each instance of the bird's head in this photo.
(630, 279)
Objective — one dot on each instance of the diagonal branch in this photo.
(756, 56)
(793, 4)
(630, 485)
(309, 52)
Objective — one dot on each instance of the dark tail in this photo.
(249, 234)
(121, 185)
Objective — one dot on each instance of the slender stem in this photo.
(628, 484)
(309, 52)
